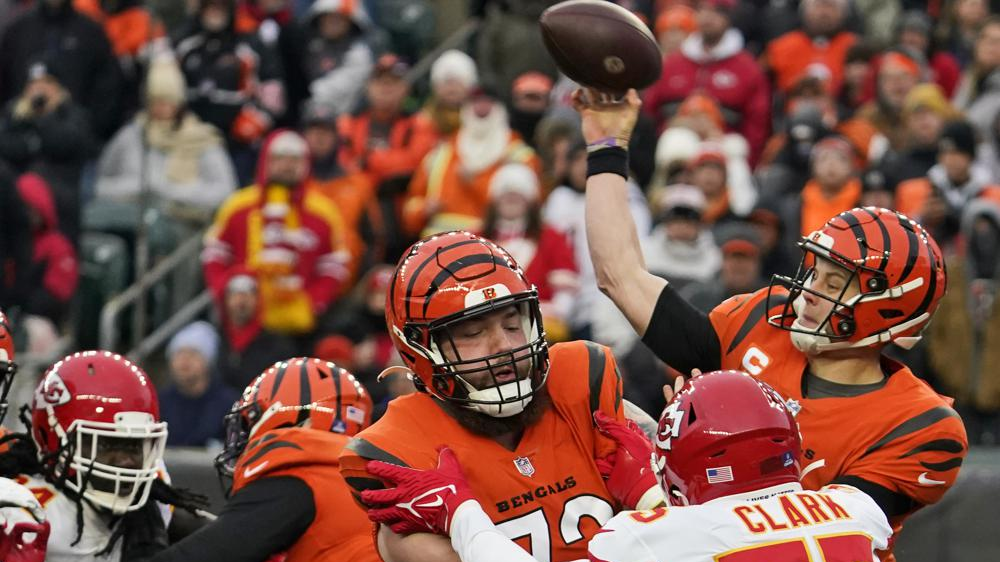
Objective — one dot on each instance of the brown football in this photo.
(602, 45)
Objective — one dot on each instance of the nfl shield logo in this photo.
(524, 466)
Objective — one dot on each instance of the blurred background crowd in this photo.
(214, 185)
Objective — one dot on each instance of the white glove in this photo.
(15, 495)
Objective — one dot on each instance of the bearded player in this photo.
(516, 413)
(726, 452)
(288, 499)
(868, 278)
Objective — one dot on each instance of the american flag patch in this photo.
(720, 474)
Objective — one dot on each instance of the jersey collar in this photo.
(759, 495)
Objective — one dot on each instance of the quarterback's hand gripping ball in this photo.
(422, 501)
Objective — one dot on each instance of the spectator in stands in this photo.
(681, 248)
(819, 47)
(856, 87)
(451, 186)
(509, 44)
(924, 114)
(351, 191)
(247, 347)
(529, 101)
(674, 24)
(936, 201)
(775, 256)
(230, 84)
(287, 234)
(898, 71)
(963, 342)
(383, 140)
(338, 59)
(196, 400)
(961, 27)
(914, 33)
(708, 170)
(54, 270)
(53, 31)
(713, 62)
(514, 221)
(790, 169)
(15, 253)
(833, 189)
(554, 138)
(45, 131)
(453, 77)
(676, 147)
(135, 36)
(167, 152)
(878, 19)
(875, 190)
(740, 271)
(978, 93)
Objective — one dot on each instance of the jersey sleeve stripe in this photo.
(943, 445)
(268, 448)
(914, 424)
(365, 449)
(944, 465)
(595, 373)
(359, 484)
(753, 317)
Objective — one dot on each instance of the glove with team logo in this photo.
(422, 501)
(628, 472)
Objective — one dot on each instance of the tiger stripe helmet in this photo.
(898, 267)
(299, 392)
(449, 278)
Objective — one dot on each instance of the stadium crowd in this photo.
(307, 145)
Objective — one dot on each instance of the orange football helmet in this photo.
(299, 392)
(449, 278)
(901, 274)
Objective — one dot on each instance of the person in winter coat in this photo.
(337, 57)
(15, 242)
(514, 221)
(86, 64)
(45, 131)
(453, 77)
(247, 348)
(714, 62)
(54, 271)
(681, 247)
(166, 149)
(978, 94)
(925, 112)
(287, 234)
(819, 47)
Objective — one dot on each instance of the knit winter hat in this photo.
(454, 65)
(164, 81)
(929, 96)
(515, 178)
(958, 136)
(199, 336)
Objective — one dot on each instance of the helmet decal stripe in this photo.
(268, 448)
(416, 272)
(858, 230)
(932, 286)
(455, 267)
(305, 393)
(914, 246)
(278, 377)
(336, 390)
(886, 241)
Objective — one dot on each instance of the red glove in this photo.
(14, 549)
(423, 500)
(628, 472)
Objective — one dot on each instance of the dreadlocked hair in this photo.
(142, 530)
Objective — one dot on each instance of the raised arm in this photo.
(611, 233)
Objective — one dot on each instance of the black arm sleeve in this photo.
(262, 519)
(681, 335)
(892, 503)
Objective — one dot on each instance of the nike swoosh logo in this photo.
(250, 472)
(437, 501)
(923, 479)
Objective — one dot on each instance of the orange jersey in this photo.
(340, 531)
(547, 494)
(903, 436)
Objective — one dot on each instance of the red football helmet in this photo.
(449, 278)
(299, 392)
(725, 433)
(96, 423)
(900, 271)
(7, 366)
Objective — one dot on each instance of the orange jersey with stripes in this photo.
(903, 436)
(547, 494)
(340, 531)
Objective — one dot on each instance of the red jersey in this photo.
(546, 494)
(903, 436)
(340, 531)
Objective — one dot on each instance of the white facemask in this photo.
(506, 391)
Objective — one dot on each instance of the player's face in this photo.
(114, 451)
(497, 332)
(831, 281)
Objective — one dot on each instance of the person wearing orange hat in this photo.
(898, 71)
(714, 62)
(673, 26)
(833, 188)
(740, 271)
(529, 100)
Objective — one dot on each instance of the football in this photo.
(601, 45)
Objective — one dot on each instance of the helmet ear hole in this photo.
(845, 326)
